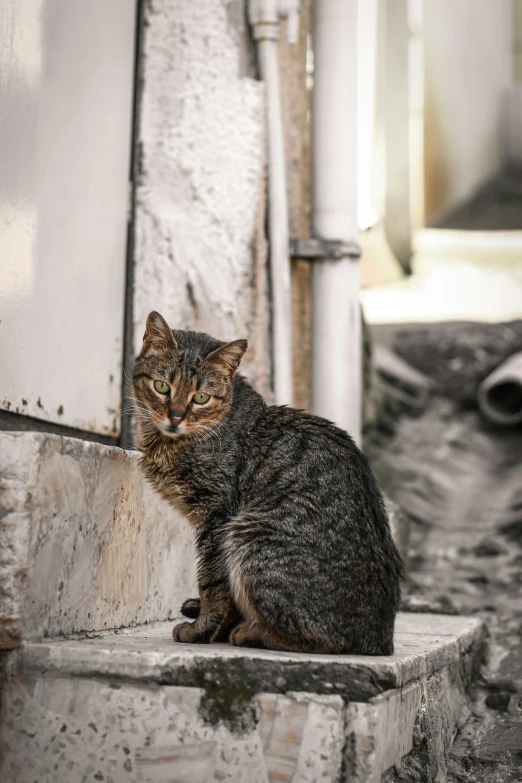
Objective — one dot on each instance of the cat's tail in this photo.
(191, 608)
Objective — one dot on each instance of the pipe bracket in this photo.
(317, 249)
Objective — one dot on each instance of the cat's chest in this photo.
(196, 490)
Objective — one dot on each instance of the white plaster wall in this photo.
(200, 251)
(468, 70)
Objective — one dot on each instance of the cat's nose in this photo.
(176, 415)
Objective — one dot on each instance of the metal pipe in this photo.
(264, 17)
(500, 394)
(336, 321)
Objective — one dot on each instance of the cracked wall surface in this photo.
(200, 255)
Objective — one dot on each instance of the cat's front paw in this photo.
(189, 634)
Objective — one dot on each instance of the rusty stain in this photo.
(289, 736)
(114, 428)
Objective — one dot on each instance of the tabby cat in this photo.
(292, 538)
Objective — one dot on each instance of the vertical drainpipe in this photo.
(336, 318)
(264, 16)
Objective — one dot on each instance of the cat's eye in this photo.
(200, 398)
(161, 387)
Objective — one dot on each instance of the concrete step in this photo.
(85, 543)
(131, 705)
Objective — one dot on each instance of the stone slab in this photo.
(425, 713)
(134, 706)
(148, 653)
(63, 730)
(85, 543)
(382, 731)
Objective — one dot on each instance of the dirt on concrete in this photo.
(460, 482)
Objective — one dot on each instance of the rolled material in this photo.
(500, 394)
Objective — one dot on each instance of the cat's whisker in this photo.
(139, 407)
(213, 431)
(211, 439)
(130, 407)
(134, 408)
(217, 435)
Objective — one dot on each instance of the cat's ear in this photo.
(158, 334)
(229, 355)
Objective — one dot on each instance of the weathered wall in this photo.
(468, 70)
(200, 256)
(85, 543)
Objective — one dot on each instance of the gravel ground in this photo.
(459, 480)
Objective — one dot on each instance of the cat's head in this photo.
(182, 381)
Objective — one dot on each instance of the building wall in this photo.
(66, 95)
(468, 71)
(200, 254)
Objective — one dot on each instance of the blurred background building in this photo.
(134, 142)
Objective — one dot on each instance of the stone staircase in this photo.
(92, 566)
